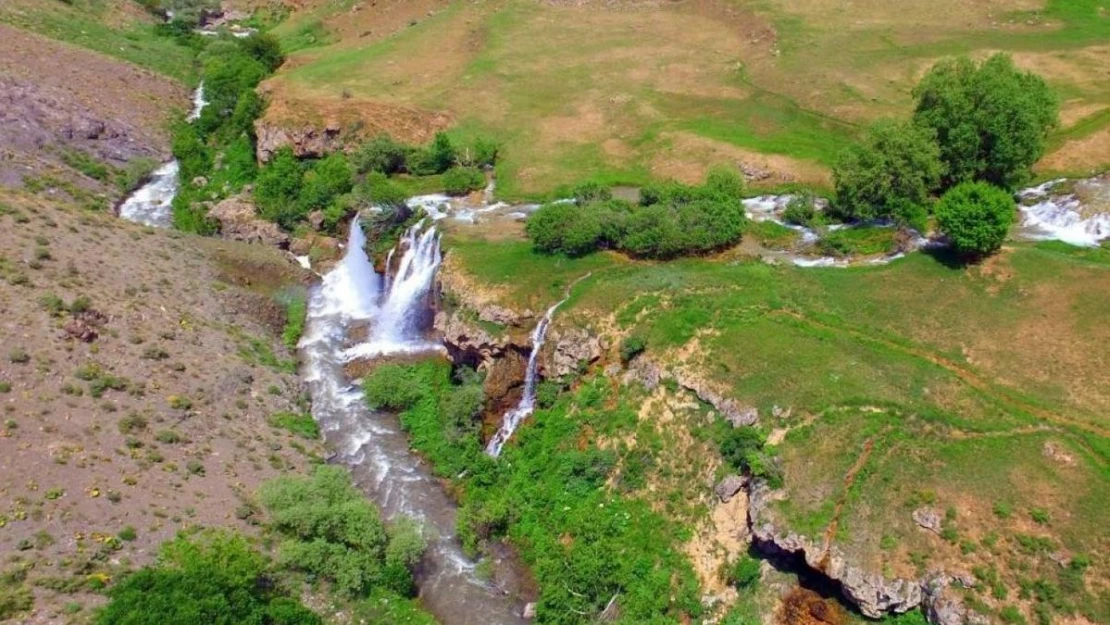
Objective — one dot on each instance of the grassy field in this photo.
(627, 91)
(117, 28)
(979, 391)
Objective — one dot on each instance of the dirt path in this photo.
(849, 480)
(967, 376)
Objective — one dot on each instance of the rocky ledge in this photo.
(874, 594)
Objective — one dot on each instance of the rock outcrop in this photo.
(874, 594)
(305, 141)
(239, 222)
(569, 350)
(733, 411)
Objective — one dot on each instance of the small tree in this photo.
(991, 119)
(976, 217)
(889, 174)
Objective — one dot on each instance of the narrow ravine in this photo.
(152, 203)
(372, 445)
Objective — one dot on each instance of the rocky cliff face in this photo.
(874, 594)
(305, 141)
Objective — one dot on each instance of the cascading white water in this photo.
(152, 203)
(395, 327)
(527, 404)
(1063, 216)
(373, 445)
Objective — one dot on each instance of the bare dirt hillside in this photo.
(137, 381)
(58, 101)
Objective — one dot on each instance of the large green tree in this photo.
(976, 217)
(889, 174)
(991, 119)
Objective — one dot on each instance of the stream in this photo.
(152, 203)
(372, 445)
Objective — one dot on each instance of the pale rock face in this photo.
(306, 142)
(239, 222)
(874, 594)
(728, 487)
(927, 518)
(569, 348)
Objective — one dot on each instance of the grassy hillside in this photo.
(118, 28)
(625, 91)
(980, 392)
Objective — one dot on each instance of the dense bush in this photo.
(990, 119)
(632, 346)
(548, 493)
(745, 572)
(801, 210)
(889, 174)
(332, 532)
(380, 154)
(671, 220)
(463, 180)
(976, 217)
(217, 150)
(214, 578)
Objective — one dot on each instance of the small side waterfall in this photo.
(151, 204)
(397, 322)
(373, 446)
(527, 403)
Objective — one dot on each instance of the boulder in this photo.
(305, 141)
(570, 348)
(733, 411)
(727, 488)
(316, 220)
(927, 518)
(238, 222)
(529, 610)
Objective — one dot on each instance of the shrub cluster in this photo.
(332, 532)
(288, 189)
(670, 220)
(214, 577)
(216, 152)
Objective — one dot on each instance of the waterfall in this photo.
(152, 203)
(397, 322)
(373, 446)
(527, 403)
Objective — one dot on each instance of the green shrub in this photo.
(1002, 510)
(672, 220)
(1039, 515)
(213, 578)
(976, 217)
(296, 309)
(745, 572)
(889, 174)
(463, 180)
(168, 437)
(301, 424)
(1012, 615)
(132, 423)
(331, 531)
(392, 387)
(990, 119)
(632, 346)
(589, 192)
(381, 154)
(128, 533)
(433, 159)
(801, 211)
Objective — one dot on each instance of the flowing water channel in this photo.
(372, 445)
(152, 203)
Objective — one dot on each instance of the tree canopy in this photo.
(889, 174)
(976, 217)
(990, 119)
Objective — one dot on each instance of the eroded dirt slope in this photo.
(138, 373)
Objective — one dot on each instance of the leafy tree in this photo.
(331, 531)
(463, 180)
(277, 187)
(380, 154)
(591, 192)
(213, 578)
(976, 217)
(264, 48)
(889, 174)
(325, 180)
(990, 119)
